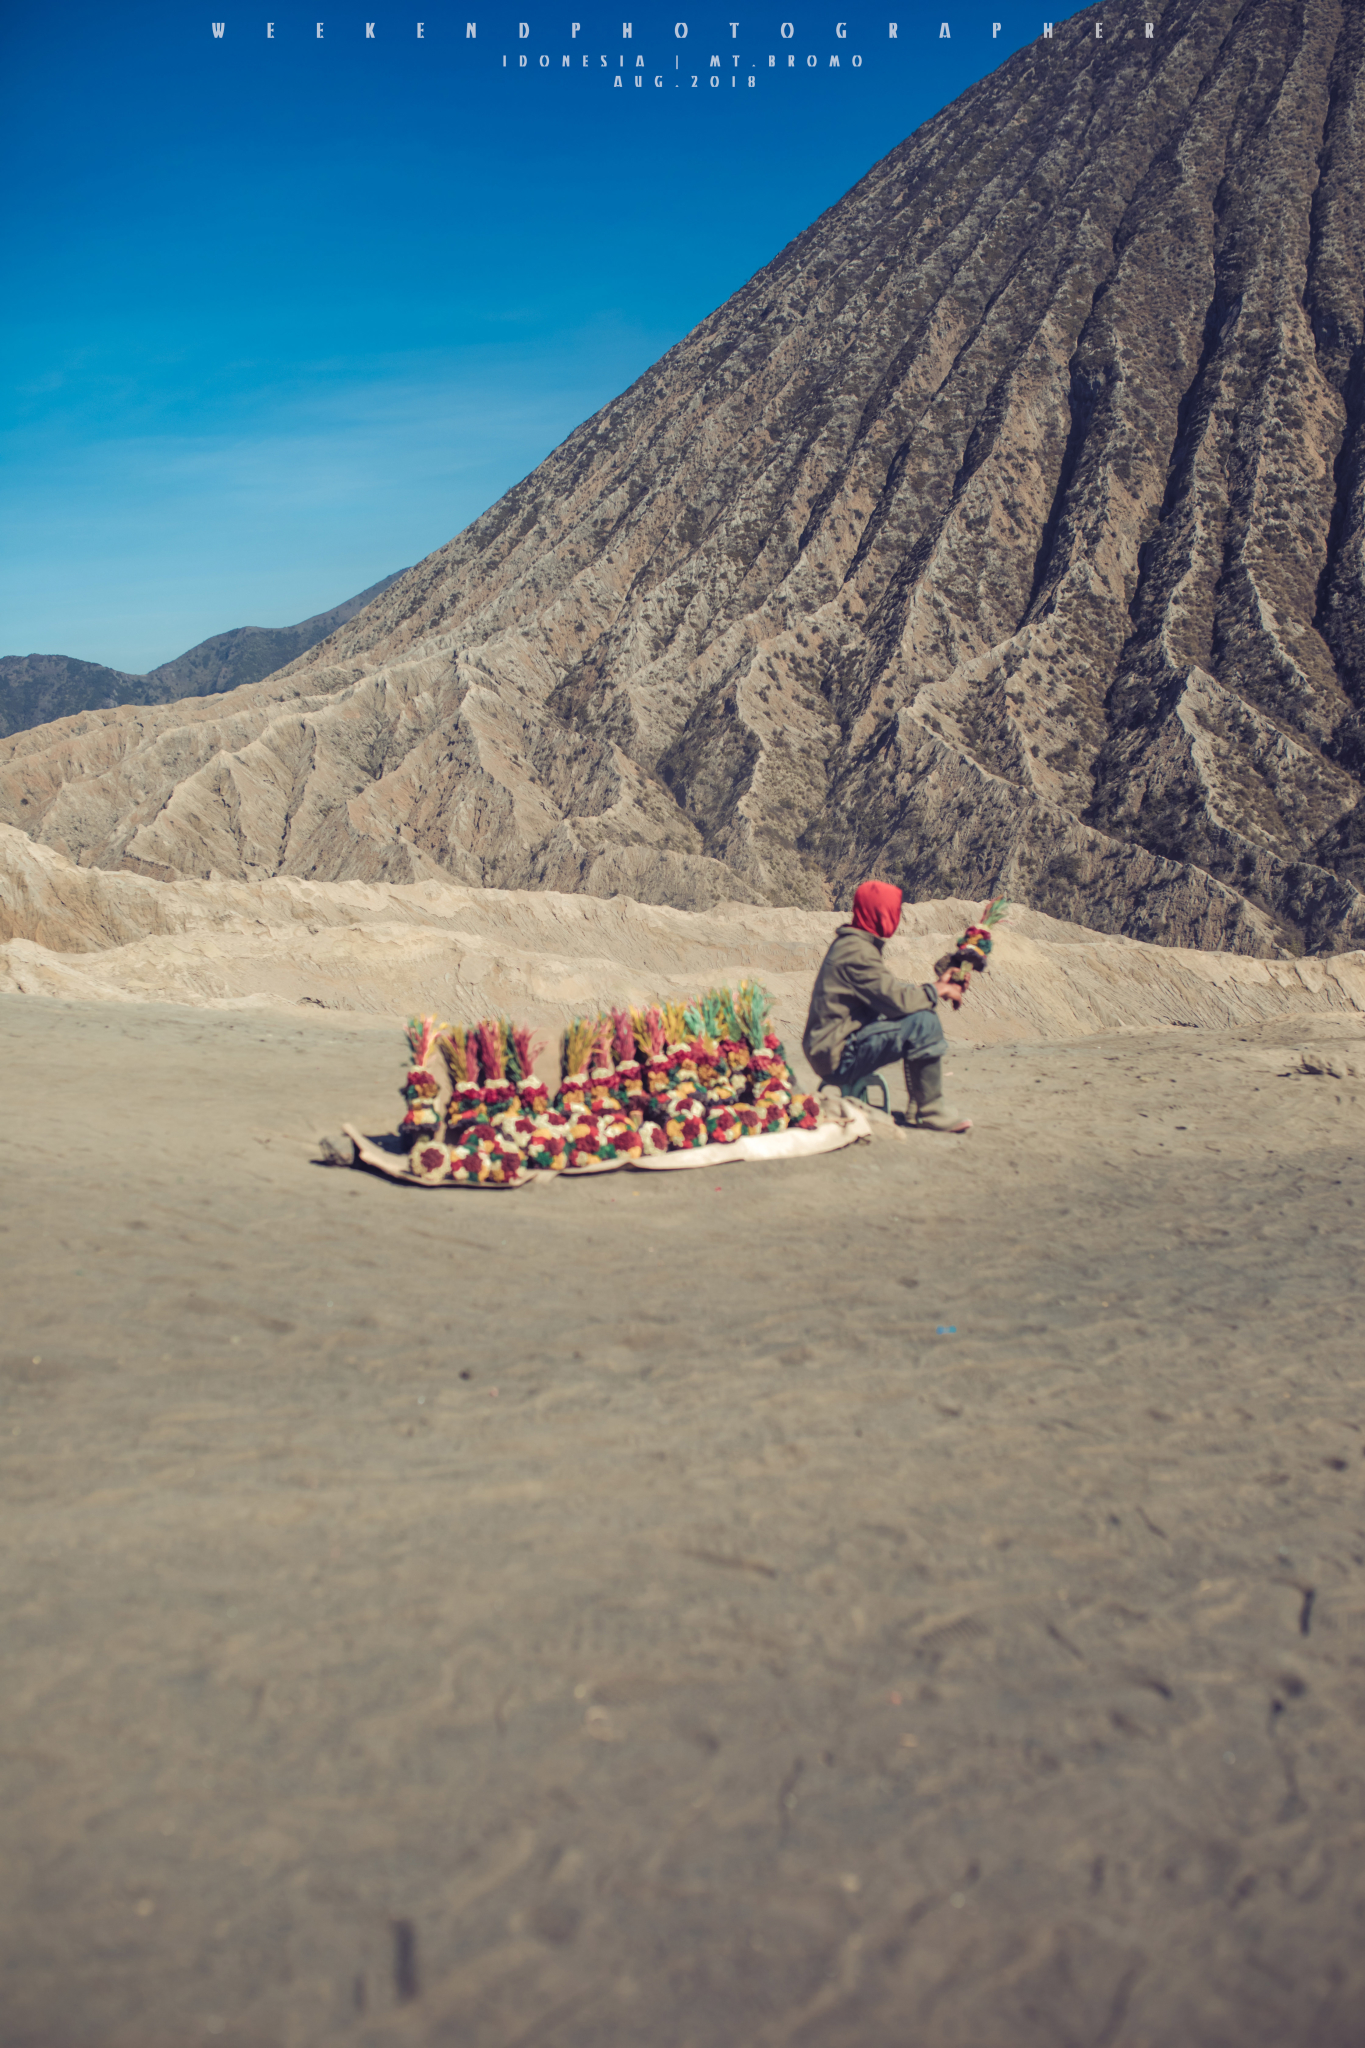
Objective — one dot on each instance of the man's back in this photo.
(853, 987)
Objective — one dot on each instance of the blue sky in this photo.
(284, 314)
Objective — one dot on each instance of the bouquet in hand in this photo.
(972, 952)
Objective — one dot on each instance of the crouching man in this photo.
(862, 1018)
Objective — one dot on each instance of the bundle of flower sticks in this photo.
(421, 1089)
(972, 951)
(681, 1075)
(635, 1082)
(497, 1102)
(476, 1135)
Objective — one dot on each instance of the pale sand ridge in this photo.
(383, 949)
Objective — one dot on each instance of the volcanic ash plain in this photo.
(911, 1594)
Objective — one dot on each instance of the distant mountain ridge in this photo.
(36, 688)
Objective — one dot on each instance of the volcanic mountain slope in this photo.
(1008, 528)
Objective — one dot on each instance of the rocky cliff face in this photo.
(1009, 528)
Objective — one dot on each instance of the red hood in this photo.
(877, 908)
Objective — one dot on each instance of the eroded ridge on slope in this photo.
(1007, 529)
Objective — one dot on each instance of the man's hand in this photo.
(950, 991)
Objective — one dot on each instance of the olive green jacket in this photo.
(853, 987)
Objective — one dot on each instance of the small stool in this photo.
(860, 1094)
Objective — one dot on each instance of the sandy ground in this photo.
(911, 1599)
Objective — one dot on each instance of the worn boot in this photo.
(924, 1086)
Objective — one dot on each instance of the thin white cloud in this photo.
(128, 549)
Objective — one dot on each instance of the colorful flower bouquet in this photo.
(491, 1112)
(469, 1169)
(635, 1085)
(428, 1161)
(707, 1072)
(804, 1112)
(590, 1146)
(972, 951)
(421, 1088)
(685, 1127)
(505, 1167)
(547, 1152)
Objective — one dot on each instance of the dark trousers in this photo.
(913, 1039)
